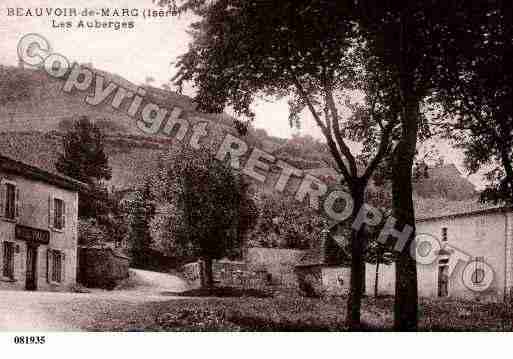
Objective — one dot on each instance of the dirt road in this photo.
(98, 310)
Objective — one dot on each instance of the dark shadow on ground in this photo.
(221, 292)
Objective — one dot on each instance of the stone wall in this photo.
(194, 274)
(101, 267)
(240, 275)
(280, 264)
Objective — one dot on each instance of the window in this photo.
(8, 270)
(444, 234)
(10, 201)
(479, 274)
(59, 214)
(56, 274)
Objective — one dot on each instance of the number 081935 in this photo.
(29, 340)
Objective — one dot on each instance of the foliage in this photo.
(110, 226)
(478, 95)
(141, 212)
(309, 52)
(205, 209)
(90, 233)
(84, 159)
(285, 223)
(307, 149)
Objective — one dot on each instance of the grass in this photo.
(308, 314)
(279, 313)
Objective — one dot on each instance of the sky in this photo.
(147, 50)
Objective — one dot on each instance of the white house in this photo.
(473, 248)
(464, 250)
(38, 227)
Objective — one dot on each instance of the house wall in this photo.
(471, 236)
(34, 200)
(509, 254)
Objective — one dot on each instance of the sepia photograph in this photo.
(255, 166)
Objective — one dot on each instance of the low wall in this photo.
(240, 275)
(101, 267)
(193, 273)
(336, 280)
(386, 279)
(316, 280)
(280, 264)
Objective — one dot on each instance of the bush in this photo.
(90, 233)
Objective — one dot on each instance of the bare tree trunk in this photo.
(354, 302)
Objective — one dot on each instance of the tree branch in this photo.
(336, 130)
(325, 130)
(382, 150)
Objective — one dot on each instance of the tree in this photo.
(305, 51)
(245, 48)
(284, 223)
(84, 159)
(207, 209)
(416, 42)
(478, 97)
(142, 211)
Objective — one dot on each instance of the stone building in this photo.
(38, 227)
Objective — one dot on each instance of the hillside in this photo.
(444, 182)
(32, 131)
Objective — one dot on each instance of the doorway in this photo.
(31, 277)
(443, 280)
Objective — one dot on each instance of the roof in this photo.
(9, 165)
(427, 209)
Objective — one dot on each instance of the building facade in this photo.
(38, 228)
(464, 250)
(475, 257)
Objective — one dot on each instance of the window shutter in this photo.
(48, 265)
(63, 267)
(63, 214)
(17, 203)
(2, 198)
(50, 211)
(4, 258)
(13, 262)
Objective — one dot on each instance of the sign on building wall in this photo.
(32, 235)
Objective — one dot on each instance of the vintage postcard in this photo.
(261, 166)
